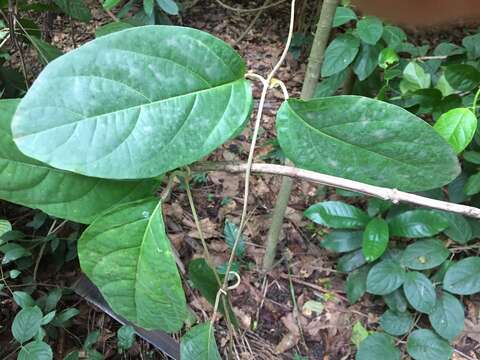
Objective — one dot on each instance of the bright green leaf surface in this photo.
(447, 317)
(59, 193)
(199, 343)
(378, 346)
(127, 254)
(462, 277)
(339, 54)
(117, 106)
(458, 127)
(419, 292)
(337, 215)
(385, 277)
(424, 344)
(425, 254)
(375, 239)
(387, 57)
(365, 140)
(370, 29)
(418, 223)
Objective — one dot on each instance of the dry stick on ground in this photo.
(311, 80)
(383, 193)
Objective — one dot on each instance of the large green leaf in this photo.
(135, 104)
(457, 126)
(365, 140)
(424, 344)
(375, 239)
(385, 277)
(418, 223)
(448, 316)
(463, 278)
(59, 193)
(127, 254)
(339, 54)
(419, 292)
(425, 254)
(378, 346)
(199, 344)
(393, 36)
(337, 215)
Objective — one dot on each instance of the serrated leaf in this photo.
(425, 254)
(365, 140)
(419, 292)
(199, 343)
(169, 6)
(458, 127)
(462, 77)
(462, 277)
(393, 36)
(424, 344)
(35, 350)
(343, 15)
(112, 107)
(127, 254)
(396, 323)
(447, 317)
(26, 323)
(356, 284)
(418, 223)
(337, 215)
(230, 232)
(340, 54)
(77, 9)
(351, 261)
(385, 277)
(56, 192)
(370, 29)
(342, 241)
(378, 346)
(375, 239)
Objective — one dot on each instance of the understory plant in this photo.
(102, 125)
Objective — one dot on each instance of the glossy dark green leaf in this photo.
(56, 192)
(448, 316)
(393, 36)
(356, 284)
(366, 61)
(375, 239)
(199, 343)
(472, 186)
(385, 277)
(396, 323)
(169, 6)
(342, 241)
(351, 261)
(343, 15)
(35, 350)
(337, 215)
(378, 346)
(396, 301)
(370, 29)
(457, 127)
(339, 54)
(26, 323)
(424, 344)
(425, 254)
(462, 77)
(116, 106)
(365, 140)
(462, 277)
(77, 9)
(459, 229)
(419, 292)
(127, 254)
(418, 223)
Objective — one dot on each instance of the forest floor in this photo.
(269, 307)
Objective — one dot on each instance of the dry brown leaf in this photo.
(209, 229)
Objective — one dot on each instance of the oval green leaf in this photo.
(351, 261)
(463, 278)
(127, 254)
(199, 343)
(459, 229)
(447, 317)
(418, 223)
(419, 292)
(340, 54)
(342, 241)
(356, 284)
(58, 193)
(343, 15)
(370, 29)
(378, 346)
(337, 215)
(457, 127)
(425, 254)
(117, 106)
(365, 140)
(424, 344)
(26, 323)
(396, 323)
(385, 277)
(462, 77)
(375, 239)
(35, 350)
